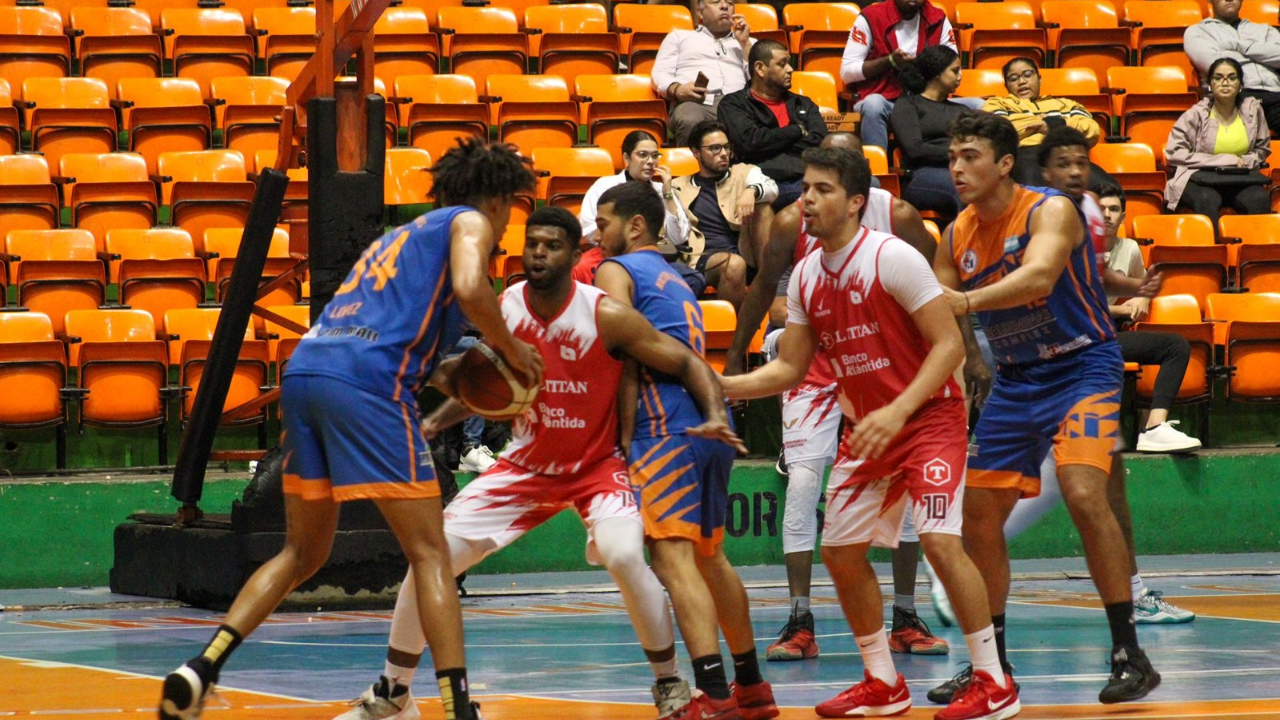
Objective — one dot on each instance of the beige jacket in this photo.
(741, 176)
(1191, 142)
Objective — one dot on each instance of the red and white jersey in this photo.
(1096, 227)
(574, 422)
(877, 215)
(859, 301)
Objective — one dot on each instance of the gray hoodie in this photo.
(1257, 47)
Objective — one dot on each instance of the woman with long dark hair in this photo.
(920, 120)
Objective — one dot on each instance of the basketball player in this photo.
(1022, 259)
(564, 453)
(350, 413)
(681, 479)
(811, 424)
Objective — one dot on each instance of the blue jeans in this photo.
(472, 427)
(931, 188)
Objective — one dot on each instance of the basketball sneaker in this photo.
(1165, 438)
(704, 707)
(797, 641)
(910, 635)
(384, 700)
(871, 697)
(184, 693)
(945, 693)
(671, 696)
(755, 701)
(1151, 608)
(938, 594)
(983, 699)
(476, 459)
(1132, 677)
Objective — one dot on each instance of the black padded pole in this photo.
(237, 307)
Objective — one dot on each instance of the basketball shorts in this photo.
(507, 501)
(811, 424)
(342, 442)
(1070, 404)
(682, 484)
(922, 472)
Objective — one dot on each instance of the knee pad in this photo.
(800, 517)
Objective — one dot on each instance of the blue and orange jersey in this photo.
(1074, 314)
(393, 317)
(665, 407)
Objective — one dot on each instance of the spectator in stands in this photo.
(770, 126)
(883, 39)
(643, 163)
(1216, 148)
(696, 69)
(1171, 352)
(1256, 48)
(1033, 114)
(729, 207)
(920, 120)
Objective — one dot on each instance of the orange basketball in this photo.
(491, 389)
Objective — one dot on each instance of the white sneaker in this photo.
(938, 594)
(477, 460)
(183, 695)
(671, 697)
(1165, 438)
(381, 702)
(1152, 609)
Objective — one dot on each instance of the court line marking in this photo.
(1025, 603)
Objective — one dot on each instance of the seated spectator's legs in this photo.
(1202, 200)
(727, 273)
(971, 103)
(696, 281)
(931, 189)
(1026, 166)
(1251, 200)
(788, 194)
(875, 120)
(1171, 352)
(1270, 105)
(685, 116)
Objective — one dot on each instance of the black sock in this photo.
(1124, 633)
(454, 693)
(746, 668)
(997, 622)
(708, 676)
(224, 642)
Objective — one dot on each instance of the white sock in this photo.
(399, 675)
(875, 656)
(1139, 588)
(799, 606)
(983, 653)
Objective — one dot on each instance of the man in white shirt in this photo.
(716, 51)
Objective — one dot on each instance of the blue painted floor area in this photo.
(579, 645)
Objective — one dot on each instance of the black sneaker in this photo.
(781, 465)
(946, 692)
(185, 691)
(1132, 677)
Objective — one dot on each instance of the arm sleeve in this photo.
(663, 72)
(795, 305)
(677, 225)
(949, 34)
(906, 275)
(855, 52)
(768, 188)
(1264, 51)
(1136, 268)
(1080, 119)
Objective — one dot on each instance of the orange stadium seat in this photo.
(1254, 247)
(407, 179)
(33, 374)
(818, 33)
(56, 271)
(165, 115)
(249, 111)
(108, 191)
(158, 270)
(762, 18)
(1148, 101)
(1248, 327)
(190, 333)
(115, 43)
(207, 43)
(681, 160)
(155, 8)
(572, 40)
(565, 174)
(64, 8)
(719, 321)
(403, 44)
(532, 111)
(981, 83)
(820, 87)
(28, 198)
(1079, 84)
(1180, 314)
(879, 162)
(614, 105)
(483, 41)
(1263, 12)
(1183, 250)
(641, 29)
(32, 44)
(282, 339)
(991, 34)
(286, 38)
(10, 122)
(440, 109)
(1086, 34)
(205, 189)
(1158, 26)
(69, 115)
(222, 245)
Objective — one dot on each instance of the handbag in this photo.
(1229, 178)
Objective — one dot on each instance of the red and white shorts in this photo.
(922, 470)
(508, 501)
(811, 423)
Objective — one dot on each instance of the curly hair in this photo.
(916, 74)
(476, 171)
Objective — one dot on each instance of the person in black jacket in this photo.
(920, 120)
(768, 125)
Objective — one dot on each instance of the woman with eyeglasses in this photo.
(1033, 114)
(920, 119)
(1216, 148)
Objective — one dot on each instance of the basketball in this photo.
(491, 389)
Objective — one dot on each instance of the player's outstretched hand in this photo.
(873, 433)
(525, 358)
(956, 300)
(716, 430)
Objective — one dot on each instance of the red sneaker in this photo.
(797, 641)
(910, 635)
(983, 699)
(871, 697)
(755, 701)
(704, 707)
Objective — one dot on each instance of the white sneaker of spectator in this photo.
(1165, 438)
(476, 459)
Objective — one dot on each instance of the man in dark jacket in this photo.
(768, 125)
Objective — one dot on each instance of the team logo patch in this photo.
(969, 261)
(568, 353)
(855, 297)
(937, 472)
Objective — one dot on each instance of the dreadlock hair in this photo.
(476, 171)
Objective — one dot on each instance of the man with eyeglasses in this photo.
(695, 69)
(1255, 46)
(728, 204)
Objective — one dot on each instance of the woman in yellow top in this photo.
(1032, 114)
(1222, 131)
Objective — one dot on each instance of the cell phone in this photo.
(701, 81)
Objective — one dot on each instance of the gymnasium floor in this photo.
(557, 646)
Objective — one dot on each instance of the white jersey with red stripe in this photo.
(574, 422)
(1096, 226)
(877, 215)
(859, 301)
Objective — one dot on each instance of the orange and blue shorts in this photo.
(682, 485)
